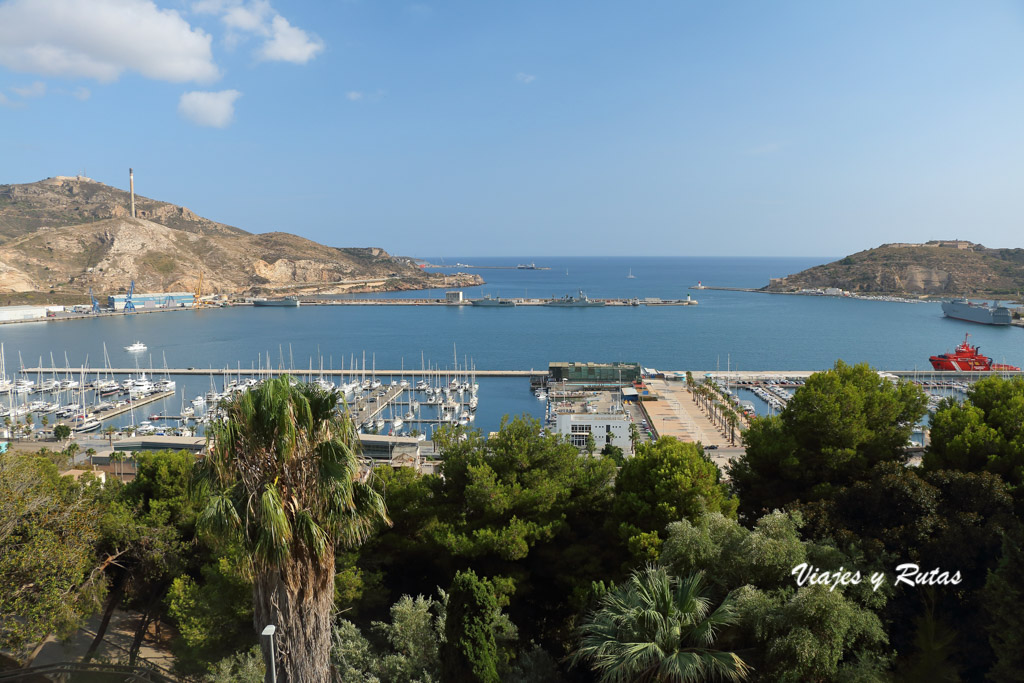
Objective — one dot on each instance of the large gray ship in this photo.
(490, 301)
(575, 302)
(962, 309)
(287, 302)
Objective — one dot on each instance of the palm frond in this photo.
(310, 534)
(273, 530)
(657, 627)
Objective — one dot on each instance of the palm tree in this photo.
(90, 452)
(117, 457)
(283, 479)
(658, 627)
(110, 431)
(71, 450)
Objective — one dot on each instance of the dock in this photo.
(299, 372)
(364, 409)
(132, 405)
(648, 301)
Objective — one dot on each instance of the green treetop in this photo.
(837, 426)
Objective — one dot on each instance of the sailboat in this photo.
(631, 276)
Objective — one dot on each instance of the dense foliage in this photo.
(525, 559)
(837, 427)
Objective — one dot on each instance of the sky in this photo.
(535, 127)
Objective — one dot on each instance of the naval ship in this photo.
(962, 309)
(288, 302)
(572, 301)
(488, 300)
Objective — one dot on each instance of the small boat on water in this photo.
(136, 347)
(90, 424)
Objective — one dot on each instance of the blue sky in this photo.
(534, 128)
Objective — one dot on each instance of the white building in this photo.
(10, 313)
(606, 428)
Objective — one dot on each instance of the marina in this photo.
(771, 337)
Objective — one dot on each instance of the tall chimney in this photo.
(131, 189)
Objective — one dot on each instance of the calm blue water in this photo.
(746, 330)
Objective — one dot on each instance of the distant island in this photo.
(936, 268)
(61, 236)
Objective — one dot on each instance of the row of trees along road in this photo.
(523, 560)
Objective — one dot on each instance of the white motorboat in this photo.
(90, 424)
(136, 347)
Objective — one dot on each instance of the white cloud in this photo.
(101, 39)
(214, 109)
(354, 95)
(251, 18)
(282, 42)
(82, 94)
(37, 89)
(525, 78)
(290, 44)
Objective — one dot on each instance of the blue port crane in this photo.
(128, 305)
(95, 303)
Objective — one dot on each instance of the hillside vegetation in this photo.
(943, 268)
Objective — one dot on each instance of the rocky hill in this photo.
(67, 234)
(940, 267)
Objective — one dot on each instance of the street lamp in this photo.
(267, 641)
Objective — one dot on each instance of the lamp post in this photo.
(267, 642)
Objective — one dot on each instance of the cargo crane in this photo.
(95, 303)
(128, 305)
(198, 297)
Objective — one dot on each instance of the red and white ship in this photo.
(966, 358)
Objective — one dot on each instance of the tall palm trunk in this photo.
(299, 601)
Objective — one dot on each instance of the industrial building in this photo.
(600, 414)
(596, 375)
(156, 300)
(606, 428)
(14, 313)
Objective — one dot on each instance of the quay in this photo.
(298, 372)
(649, 301)
(364, 409)
(132, 405)
(749, 375)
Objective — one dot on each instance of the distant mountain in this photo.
(67, 234)
(939, 267)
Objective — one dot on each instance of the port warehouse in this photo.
(14, 313)
(157, 300)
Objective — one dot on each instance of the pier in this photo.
(132, 405)
(234, 372)
(365, 409)
(552, 302)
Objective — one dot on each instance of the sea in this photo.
(735, 330)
